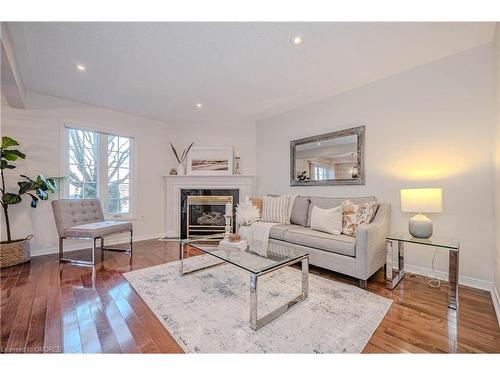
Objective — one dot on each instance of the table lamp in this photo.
(418, 201)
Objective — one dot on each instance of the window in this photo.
(99, 165)
(320, 172)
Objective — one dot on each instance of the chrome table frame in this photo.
(453, 266)
(255, 322)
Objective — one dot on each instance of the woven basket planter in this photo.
(16, 252)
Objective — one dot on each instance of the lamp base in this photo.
(420, 226)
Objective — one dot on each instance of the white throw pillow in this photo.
(327, 220)
(276, 209)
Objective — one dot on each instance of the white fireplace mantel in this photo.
(244, 183)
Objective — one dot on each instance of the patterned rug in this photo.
(208, 311)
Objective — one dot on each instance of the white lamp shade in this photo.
(422, 200)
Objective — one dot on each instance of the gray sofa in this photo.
(360, 256)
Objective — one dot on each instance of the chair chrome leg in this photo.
(93, 250)
(60, 248)
(131, 240)
(126, 250)
(75, 261)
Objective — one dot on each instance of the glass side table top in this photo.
(448, 243)
(253, 261)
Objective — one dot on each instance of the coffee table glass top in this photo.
(252, 260)
(448, 243)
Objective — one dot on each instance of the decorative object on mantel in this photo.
(180, 160)
(418, 201)
(237, 157)
(210, 161)
(173, 172)
(17, 251)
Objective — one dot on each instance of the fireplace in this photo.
(202, 211)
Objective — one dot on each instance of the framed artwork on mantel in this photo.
(210, 161)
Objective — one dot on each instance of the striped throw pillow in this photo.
(276, 209)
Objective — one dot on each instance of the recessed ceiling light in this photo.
(199, 105)
(80, 67)
(318, 144)
(297, 40)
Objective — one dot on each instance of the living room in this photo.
(250, 187)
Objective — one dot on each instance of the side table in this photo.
(451, 245)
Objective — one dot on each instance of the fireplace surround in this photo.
(245, 185)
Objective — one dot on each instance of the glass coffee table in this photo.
(257, 264)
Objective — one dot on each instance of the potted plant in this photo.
(246, 214)
(17, 251)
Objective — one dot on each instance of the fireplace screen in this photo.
(205, 214)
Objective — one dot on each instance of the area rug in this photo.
(208, 311)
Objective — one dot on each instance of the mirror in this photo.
(329, 159)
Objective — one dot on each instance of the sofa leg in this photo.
(362, 283)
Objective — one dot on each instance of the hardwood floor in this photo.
(75, 309)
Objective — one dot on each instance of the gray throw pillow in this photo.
(300, 211)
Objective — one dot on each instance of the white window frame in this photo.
(102, 190)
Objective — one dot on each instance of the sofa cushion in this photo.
(278, 231)
(276, 209)
(340, 244)
(328, 220)
(300, 211)
(356, 214)
(324, 202)
(102, 228)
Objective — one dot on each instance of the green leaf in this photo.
(5, 164)
(12, 155)
(29, 179)
(34, 200)
(46, 184)
(24, 186)
(8, 142)
(11, 198)
(42, 194)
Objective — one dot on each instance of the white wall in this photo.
(38, 131)
(496, 95)
(426, 127)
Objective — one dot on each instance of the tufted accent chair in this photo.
(84, 218)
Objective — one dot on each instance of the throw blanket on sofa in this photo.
(260, 230)
(260, 237)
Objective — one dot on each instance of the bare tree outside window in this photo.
(118, 174)
(83, 156)
(87, 152)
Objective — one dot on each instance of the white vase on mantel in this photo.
(180, 169)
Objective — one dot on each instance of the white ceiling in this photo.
(239, 71)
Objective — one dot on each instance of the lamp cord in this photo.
(434, 282)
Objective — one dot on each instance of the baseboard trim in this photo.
(80, 245)
(462, 280)
(495, 296)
